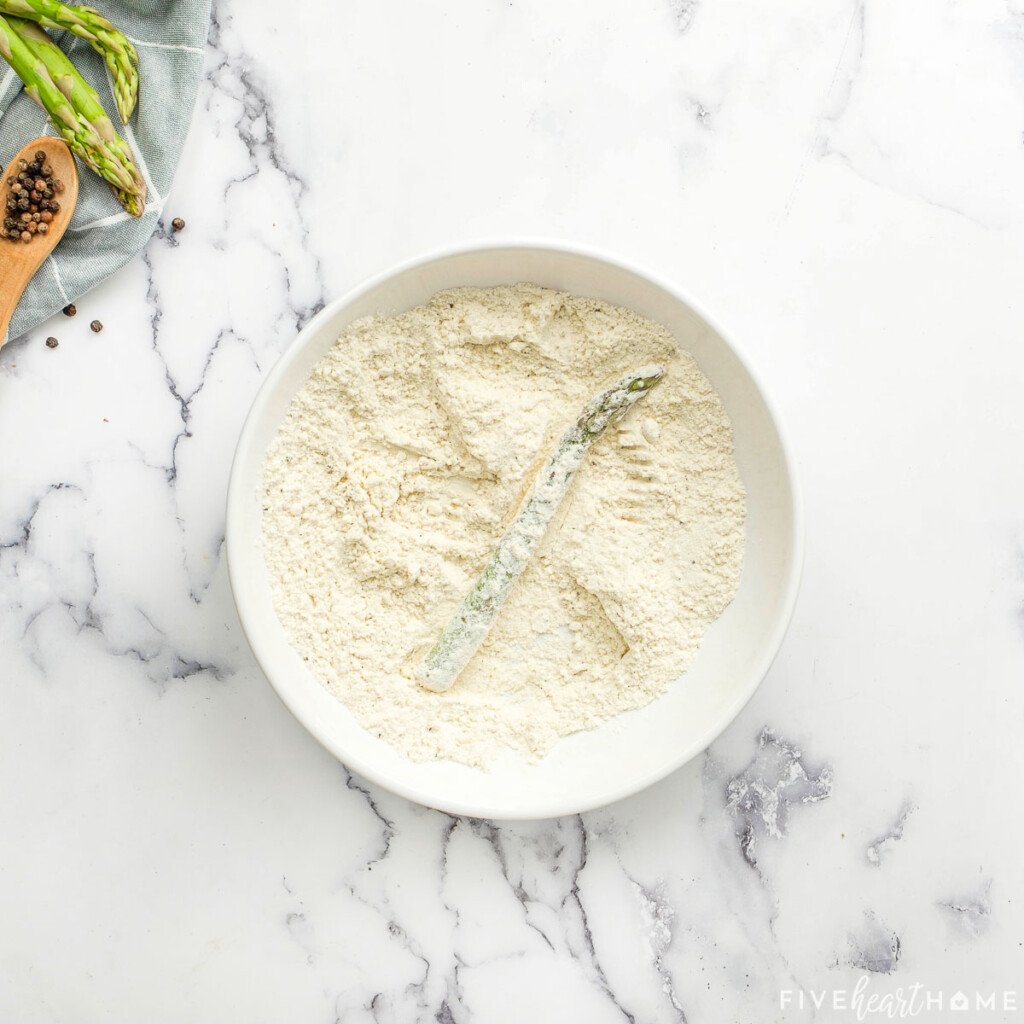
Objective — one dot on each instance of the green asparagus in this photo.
(74, 108)
(107, 40)
(470, 625)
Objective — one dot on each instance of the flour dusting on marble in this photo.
(883, 844)
(760, 797)
(971, 914)
(873, 946)
(684, 11)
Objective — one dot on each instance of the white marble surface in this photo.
(842, 182)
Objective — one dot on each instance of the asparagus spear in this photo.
(74, 108)
(107, 40)
(468, 629)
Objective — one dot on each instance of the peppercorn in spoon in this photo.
(39, 190)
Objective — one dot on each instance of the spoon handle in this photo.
(15, 275)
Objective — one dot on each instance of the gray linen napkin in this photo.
(170, 36)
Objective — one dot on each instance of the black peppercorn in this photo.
(177, 224)
(52, 342)
(70, 309)
(96, 327)
(30, 199)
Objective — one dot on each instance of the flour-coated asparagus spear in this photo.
(470, 625)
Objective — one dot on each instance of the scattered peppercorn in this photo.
(96, 326)
(30, 203)
(52, 342)
(70, 309)
(177, 224)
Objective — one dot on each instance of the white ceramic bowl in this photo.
(635, 749)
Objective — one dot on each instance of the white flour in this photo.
(404, 457)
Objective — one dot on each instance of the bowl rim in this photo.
(237, 500)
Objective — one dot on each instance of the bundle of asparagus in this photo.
(73, 105)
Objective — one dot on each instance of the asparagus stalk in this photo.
(74, 108)
(107, 40)
(470, 625)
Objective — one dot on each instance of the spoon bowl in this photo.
(20, 260)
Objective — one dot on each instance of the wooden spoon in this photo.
(20, 260)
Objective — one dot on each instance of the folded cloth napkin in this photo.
(170, 36)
